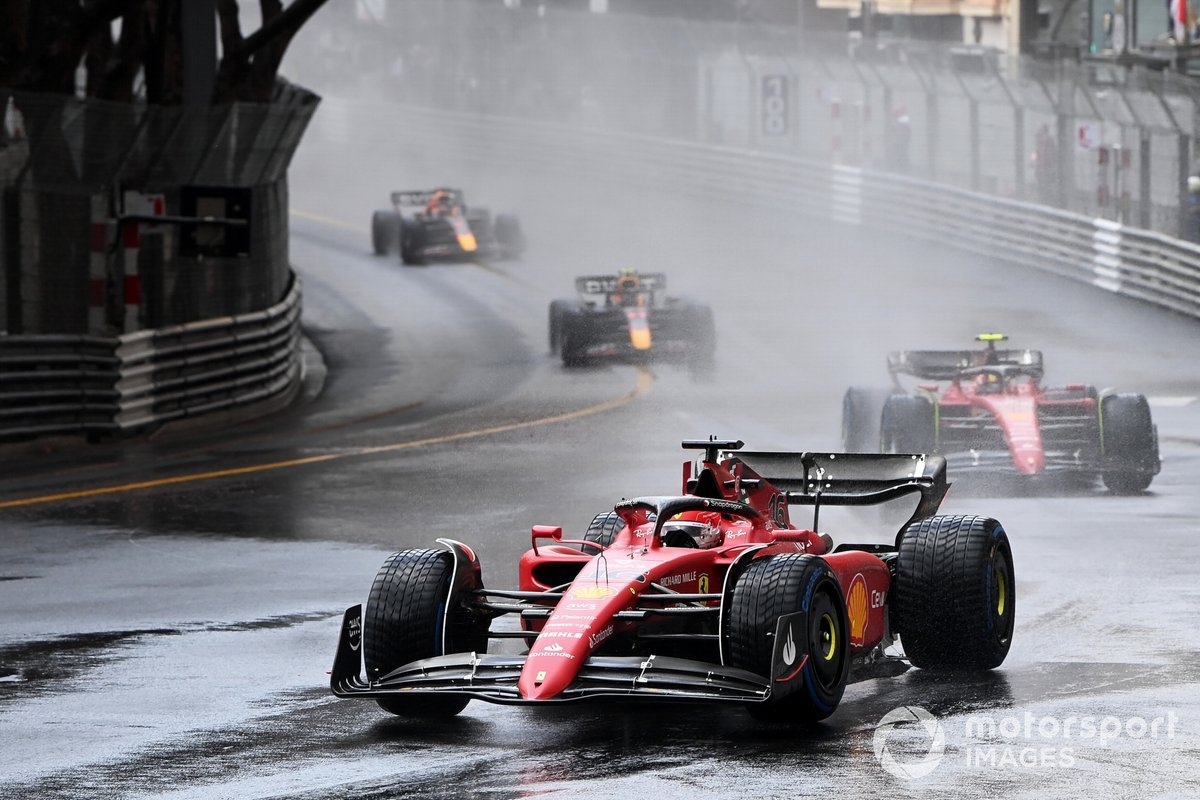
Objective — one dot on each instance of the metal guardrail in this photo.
(1118, 258)
(94, 386)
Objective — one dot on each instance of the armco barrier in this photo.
(1137, 263)
(96, 386)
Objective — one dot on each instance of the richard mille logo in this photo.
(789, 649)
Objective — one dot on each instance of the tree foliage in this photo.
(44, 42)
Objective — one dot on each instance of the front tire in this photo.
(768, 589)
(955, 595)
(1128, 443)
(403, 622)
(604, 529)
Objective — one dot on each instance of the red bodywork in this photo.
(991, 411)
(616, 579)
(640, 609)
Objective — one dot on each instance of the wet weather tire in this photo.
(767, 589)
(907, 425)
(954, 596)
(603, 529)
(862, 408)
(385, 232)
(1129, 443)
(559, 310)
(403, 623)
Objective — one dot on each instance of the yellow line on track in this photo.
(337, 223)
(645, 380)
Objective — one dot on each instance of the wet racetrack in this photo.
(171, 605)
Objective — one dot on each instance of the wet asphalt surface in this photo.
(172, 641)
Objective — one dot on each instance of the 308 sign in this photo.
(775, 120)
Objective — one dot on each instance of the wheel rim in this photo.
(824, 640)
(1001, 587)
(828, 636)
(1002, 599)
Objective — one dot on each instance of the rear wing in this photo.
(945, 365)
(607, 284)
(421, 197)
(852, 479)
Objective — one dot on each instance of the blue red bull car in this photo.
(987, 411)
(629, 316)
(711, 595)
(437, 225)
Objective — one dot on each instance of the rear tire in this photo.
(769, 588)
(862, 410)
(955, 594)
(574, 340)
(559, 309)
(385, 232)
(1128, 443)
(403, 623)
(907, 425)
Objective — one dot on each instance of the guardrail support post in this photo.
(973, 108)
(1019, 157)
(1184, 155)
(1145, 199)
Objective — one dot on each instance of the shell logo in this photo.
(592, 592)
(856, 609)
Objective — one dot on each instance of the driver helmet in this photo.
(695, 533)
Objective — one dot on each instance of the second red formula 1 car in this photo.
(712, 595)
(987, 411)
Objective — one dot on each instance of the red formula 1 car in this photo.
(711, 595)
(987, 411)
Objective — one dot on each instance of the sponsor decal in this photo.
(702, 584)
(560, 635)
(593, 592)
(675, 580)
(597, 638)
(567, 617)
(552, 648)
(580, 606)
(878, 599)
(856, 609)
(354, 633)
(541, 676)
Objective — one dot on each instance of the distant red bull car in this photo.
(987, 412)
(437, 225)
(629, 316)
(713, 595)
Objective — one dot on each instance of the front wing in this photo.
(494, 677)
